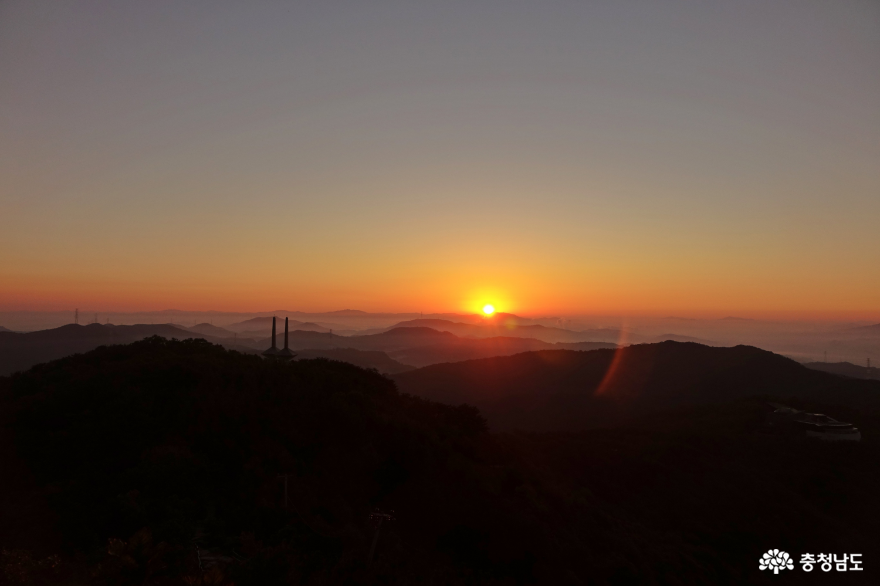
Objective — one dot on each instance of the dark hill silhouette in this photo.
(251, 324)
(398, 339)
(20, 351)
(263, 325)
(2, 329)
(149, 463)
(582, 346)
(257, 334)
(393, 339)
(442, 325)
(846, 369)
(211, 330)
(488, 328)
(564, 390)
(680, 338)
(348, 312)
(421, 346)
(168, 441)
(500, 318)
(362, 358)
(303, 339)
(415, 332)
(459, 349)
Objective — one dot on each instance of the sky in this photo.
(632, 157)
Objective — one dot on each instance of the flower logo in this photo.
(776, 560)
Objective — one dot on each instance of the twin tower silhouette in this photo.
(274, 352)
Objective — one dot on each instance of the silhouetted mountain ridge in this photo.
(517, 328)
(362, 358)
(264, 325)
(142, 464)
(414, 332)
(846, 369)
(565, 390)
(20, 351)
(680, 338)
(211, 330)
(421, 346)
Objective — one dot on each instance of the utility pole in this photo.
(76, 316)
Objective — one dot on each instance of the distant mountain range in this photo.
(846, 369)
(363, 358)
(264, 324)
(421, 346)
(680, 338)
(411, 344)
(564, 390)
(20, 351)
(390, 351)
(511, 326)
(211, 330)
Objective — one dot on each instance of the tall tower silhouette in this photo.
(272, 352)
(286, 354)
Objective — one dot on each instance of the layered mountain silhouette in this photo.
(211, 330)
(370, 359)
(263, 326)
(20, 351)
(513, 327)
(846, 369)
(420, 346)
(565, 390)
(391, 351)
(163, 462)
(680, 338)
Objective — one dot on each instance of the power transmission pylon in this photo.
(377, 517)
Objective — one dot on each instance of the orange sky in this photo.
(570, 160)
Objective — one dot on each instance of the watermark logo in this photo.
(776, 560)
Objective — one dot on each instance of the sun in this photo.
(488, 309)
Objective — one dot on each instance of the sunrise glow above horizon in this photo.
(561, 158)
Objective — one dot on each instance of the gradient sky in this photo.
(550, 157)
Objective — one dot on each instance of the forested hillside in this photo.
(159, 462)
